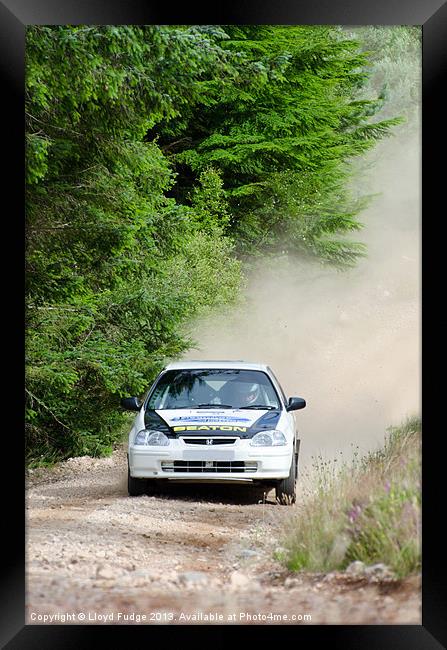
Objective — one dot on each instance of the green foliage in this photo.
(283, 134)
(110, 258)
(209, 202)
(395, 70)
(155, 157)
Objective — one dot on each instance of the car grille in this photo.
(203, 440)
(209, 467)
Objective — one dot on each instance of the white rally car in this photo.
(215, 421)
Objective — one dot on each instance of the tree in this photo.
(283, 135)
(150, 151)
(104, 299)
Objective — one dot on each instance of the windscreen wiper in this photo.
(215, 406)
(260, 406)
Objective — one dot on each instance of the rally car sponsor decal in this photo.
(209, 418)
(218, 427)
(174, 427)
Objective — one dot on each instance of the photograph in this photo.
(223, 324)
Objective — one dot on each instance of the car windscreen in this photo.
(224, 388)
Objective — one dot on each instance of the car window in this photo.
(178, 389)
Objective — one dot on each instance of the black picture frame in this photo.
(15, 15)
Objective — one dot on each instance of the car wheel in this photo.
(286, 487)
(135, 486)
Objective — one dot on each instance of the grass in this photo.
(367, 509)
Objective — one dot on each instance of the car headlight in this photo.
(268, 439)
(149, 437)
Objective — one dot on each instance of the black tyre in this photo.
(286, 487)
(135, 486)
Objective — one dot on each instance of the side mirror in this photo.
(131, 403)
(295, 403)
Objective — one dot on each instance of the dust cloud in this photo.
(348, 342)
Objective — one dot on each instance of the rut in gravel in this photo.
(187, 551)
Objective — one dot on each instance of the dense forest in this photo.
(159, 161)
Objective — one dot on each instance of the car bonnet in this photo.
(245, 423)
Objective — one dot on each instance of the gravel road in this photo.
(186, 555)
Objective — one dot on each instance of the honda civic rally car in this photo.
(218, 421)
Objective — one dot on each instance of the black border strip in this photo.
(432, 15)
(286, 12)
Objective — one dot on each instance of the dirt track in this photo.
(93, 551)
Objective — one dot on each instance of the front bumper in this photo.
(238, 461)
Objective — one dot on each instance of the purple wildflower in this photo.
(354, 513)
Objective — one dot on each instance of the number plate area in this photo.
(208, 455)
